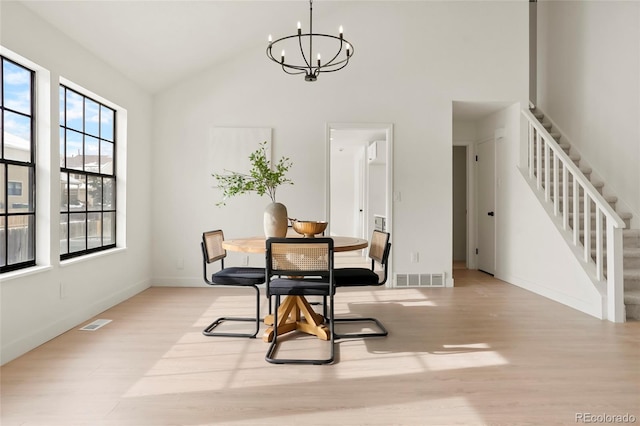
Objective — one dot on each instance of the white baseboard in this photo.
(178, 282)
(593, 308)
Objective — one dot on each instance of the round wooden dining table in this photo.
(295, 312)
(257, 244)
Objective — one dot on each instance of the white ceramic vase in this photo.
(276, 220)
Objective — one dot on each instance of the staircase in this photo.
(548, 172)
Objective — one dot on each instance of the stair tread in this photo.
(628, 252)
(626, 233)
(633, 273)
(632, 297)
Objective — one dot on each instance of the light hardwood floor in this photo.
(482, 353)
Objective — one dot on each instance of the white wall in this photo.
(32, 307)
(345, 175)
(377, 181)
(530, 252)
(407, 69)
(589, 84)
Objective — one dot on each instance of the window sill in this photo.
(91, 256)
(20, 273)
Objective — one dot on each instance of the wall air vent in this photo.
(96, 325)
(420, 280)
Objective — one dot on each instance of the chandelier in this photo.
(303, 63)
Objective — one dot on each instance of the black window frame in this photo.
(69, 171)
(31, 165)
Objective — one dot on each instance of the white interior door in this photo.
(485, 197)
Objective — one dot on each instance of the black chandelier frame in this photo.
(310, 70)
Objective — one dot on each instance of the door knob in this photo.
(490, 213)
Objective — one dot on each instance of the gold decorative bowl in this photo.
(309, 228)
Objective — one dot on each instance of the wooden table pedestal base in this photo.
(295, 313)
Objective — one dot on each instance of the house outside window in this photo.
(14, 189)
(17, 166)
(87, 174)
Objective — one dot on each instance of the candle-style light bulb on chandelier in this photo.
(306, 65)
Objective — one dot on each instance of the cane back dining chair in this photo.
(379, 248)
(212, 251)
(299, 267)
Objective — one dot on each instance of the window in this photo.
(87, 175)
(17, 166)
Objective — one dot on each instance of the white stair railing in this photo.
(557, 176)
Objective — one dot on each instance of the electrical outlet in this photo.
(415, 257)
(180, 263)
(62, 293)
(245, 260)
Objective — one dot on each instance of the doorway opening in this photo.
(359, 186)
(475, 127)
(460, 210)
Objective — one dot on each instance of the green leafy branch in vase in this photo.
(262, 178)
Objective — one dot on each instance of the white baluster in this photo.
(538, 160)
(599, 259)
(565, 197)
(532, 133)
(556, 195)
(547, 190)
(587, 226)
(576, 213)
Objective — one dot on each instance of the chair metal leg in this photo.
(209, 330)
(383, 331)
(269, 357)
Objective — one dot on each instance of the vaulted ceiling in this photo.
(158, 43)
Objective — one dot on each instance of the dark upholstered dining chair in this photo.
(299, 267)
(212, 251)
(379, 248)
